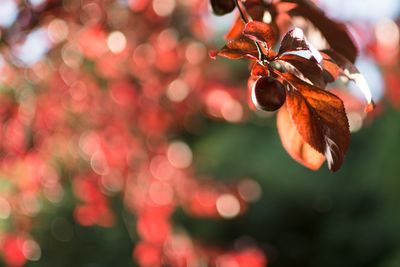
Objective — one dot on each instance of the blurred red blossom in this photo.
(106, 103)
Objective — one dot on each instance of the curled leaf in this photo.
(294, 41)
(260, 31)
(320, 119)
(352, 73)
(255, 11)
(294, 144)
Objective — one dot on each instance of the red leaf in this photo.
(294, 144)
(309, 69)
(239, 48)
(255, 10)
(258, 70)
(340, 60)
(352, 73)
(320, 119)
(330, 67)
(236, 29)
(335, 33)
(294, 40)
(260, 31)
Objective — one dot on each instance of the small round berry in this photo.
(268, 94)
(222, 7)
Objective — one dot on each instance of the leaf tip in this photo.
(370, 106)
(297, 33)
(213, 54)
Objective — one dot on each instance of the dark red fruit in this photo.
(268, 94)
(222, 7)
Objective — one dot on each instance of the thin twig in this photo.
(242, 15)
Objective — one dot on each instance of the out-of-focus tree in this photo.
(100, 102)
(96, 97)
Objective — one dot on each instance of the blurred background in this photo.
(123, 144)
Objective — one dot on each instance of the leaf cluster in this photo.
(311, 120)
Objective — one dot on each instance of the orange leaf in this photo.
(330, 67)
(320, 119)
(294, 144)
(238, 48)
(260, 31)
(236, 29)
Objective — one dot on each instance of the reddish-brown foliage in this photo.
(318, 118)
